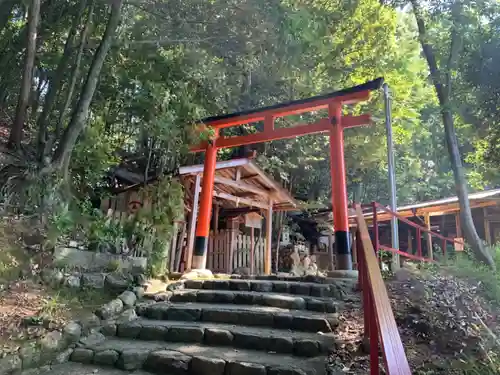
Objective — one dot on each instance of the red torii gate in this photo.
(334, 125)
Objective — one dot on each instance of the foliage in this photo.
(463, 265)
(155, 221)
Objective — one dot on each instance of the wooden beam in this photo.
(242, 186)
(239, 200)
(321, 126)
(312, 104)
(269, 239)
(192, 222)
(195, 169)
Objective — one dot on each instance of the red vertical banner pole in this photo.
(339, 188)
(205, 210)
(375, 230)
(419, 242)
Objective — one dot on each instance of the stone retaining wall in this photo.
(90, 260)
(58, 346)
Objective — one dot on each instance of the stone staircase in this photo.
(260, 326)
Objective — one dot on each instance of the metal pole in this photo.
(392, 176)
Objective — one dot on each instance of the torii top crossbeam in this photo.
(269, 114)
(334, 125)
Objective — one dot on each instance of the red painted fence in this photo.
(380, 326)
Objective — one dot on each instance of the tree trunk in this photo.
(16, 132)
(75, 72)
(443, 92)
(79, 118)
(55, 82)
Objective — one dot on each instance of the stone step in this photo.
(338, 289)
(284, 301)
(257, 338)
(274, 317)
(74, 368)
(194, 359)
(332, 277)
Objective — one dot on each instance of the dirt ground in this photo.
(28, 309)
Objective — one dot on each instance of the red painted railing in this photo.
(377, 208)
(379, 323)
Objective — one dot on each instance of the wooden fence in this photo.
(219, 251)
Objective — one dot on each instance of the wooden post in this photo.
(487, 229)
(173, 246)
(427, 219)
(331, 255)
(252, 250)
(192, 222)
(410, 243)
(180, 244)
(233, 231)
(269, 238)
(216, 218)
(458, 224)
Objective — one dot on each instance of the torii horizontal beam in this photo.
(272, 134)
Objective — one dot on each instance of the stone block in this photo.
(283, 370)
(127, 316)
(306, 348)
(128, 298)
(283, 321)
(217, 284)
(184, 296)
(251, 341)
(215, 336)
(109, 329)
(72, 333)
(129, 330)
(221, 316)
(316, 305)
(244, 298)
(243, 285)
(284, 302)
(245, 368)
(82, 355)
(281, 344)
(310, 324)
(132, 359)
(223, 297)
(283, 287)
(93, 339)
(319, 290)
(157, 312)
(110, 309)
(185, 334)
(207, 366)
(168, 362)
(300, 289)
(194, 284)
(155, 333)
(256, 318)
(93, 280)
(262, 286)
(106, 357)
(183, 313)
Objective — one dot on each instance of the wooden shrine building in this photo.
(245, 198)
